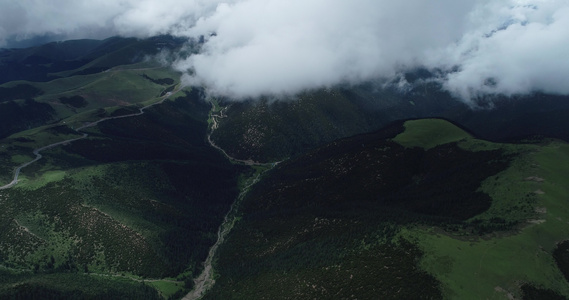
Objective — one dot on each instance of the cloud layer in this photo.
(276, 46)
(513, 49)
(286, 46)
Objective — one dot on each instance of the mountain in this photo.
(130, 207)
(142, 195)
(116, 181)
(40, 79)
(279, 129)
(78, 57)
(418, 210)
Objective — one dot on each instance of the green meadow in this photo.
(532, 195)
(429, 133)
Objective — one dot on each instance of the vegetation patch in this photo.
(26, 285)
(561, 255)
(16, 116)
(74, 101)
(20, 159)
(269, 130)
(167, 289)
(531, 292)
(429, 133)
(321, 259)
(19, 91)
(160, 81)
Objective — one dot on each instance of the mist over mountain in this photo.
(253, 47)
(249, 149)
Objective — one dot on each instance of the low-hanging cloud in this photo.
(266, 47)
(523, 48)
(283, 46)
(25, 19)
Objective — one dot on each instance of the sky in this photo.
(274, 47)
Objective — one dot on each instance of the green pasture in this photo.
(429, 133)
(166, 288)
(116, 87)
(533, 192)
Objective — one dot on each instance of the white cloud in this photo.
(275, 46)
(79, 18)
(529, 53)
(27, 18)
(285, 46)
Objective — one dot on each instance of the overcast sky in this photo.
(285, 46)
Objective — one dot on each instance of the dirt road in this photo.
(38, 150)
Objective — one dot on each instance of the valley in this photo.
(118, 181)
(86, 164)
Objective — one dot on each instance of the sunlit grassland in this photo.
(102, 89)
(37, 182)
(107, 90)
(8, 164)
(41, 136)
(149, 64)
(20, 159)
(166, 288)
(18, 149)
(512, 190)
(533, 192)
(116, 87)
(429, 133)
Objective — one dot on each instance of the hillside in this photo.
(133, 202)
(386, 215)
(36, 82)
(270, 130)
(78, 57)
(273, 130)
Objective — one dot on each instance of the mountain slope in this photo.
(357, 219)
(141, 196)
(275, 130)
(78, 57)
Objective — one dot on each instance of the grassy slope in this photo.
(493, 265)
(100, 89)
(109, 91)
(429, 133)
(113, 88)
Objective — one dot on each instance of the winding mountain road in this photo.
(214, 126)
(38, 150)
(205, 280)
